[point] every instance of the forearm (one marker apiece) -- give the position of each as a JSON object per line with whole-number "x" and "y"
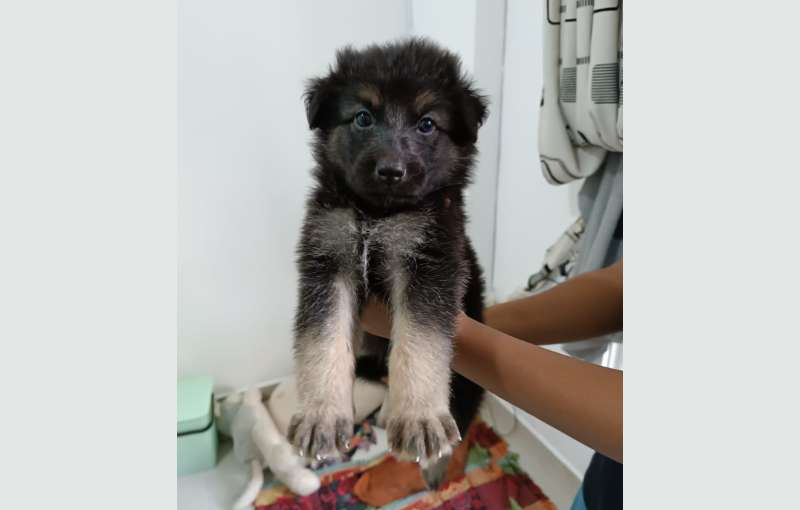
{"x": 583, "y": 307}
{"x": 578, "y": 398}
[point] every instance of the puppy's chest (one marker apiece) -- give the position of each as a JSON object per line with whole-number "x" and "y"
{"x": 373, "y": 249}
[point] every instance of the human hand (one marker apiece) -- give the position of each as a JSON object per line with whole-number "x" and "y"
{"x": 376, "y": 319}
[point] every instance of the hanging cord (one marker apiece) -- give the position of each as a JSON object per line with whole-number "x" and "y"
{"x": 493, "y": 419}
{"x": 558, "y": 258}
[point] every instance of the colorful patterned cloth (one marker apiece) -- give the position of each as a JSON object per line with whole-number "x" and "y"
{"x": 492, "y": 479}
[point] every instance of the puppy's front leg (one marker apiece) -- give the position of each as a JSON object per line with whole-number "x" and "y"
{"x": 419, "y": 423}
{"x": 325, "y": 362}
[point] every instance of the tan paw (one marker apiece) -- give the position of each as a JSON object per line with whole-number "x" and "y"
{"x": 320, "y": 434}
{"x": 422, "y": 438}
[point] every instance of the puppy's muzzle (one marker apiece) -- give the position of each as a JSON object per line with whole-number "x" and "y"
{"x": 390, "y": 171}
{"x": 390, "y": 174}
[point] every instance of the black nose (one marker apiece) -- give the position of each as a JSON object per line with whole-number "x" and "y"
{"x": 391, "y": 174}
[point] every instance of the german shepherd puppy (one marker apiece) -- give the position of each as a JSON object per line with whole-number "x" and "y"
{"x": 395, "y": 128}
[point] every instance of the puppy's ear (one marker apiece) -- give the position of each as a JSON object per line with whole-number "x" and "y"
{"x": 470, "y": 113}
{"x": 320, "y": 99}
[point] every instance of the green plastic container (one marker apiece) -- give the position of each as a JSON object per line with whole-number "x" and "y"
{"x": 197, "y": 433}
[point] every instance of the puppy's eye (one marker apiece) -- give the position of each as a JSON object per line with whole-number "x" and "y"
{"x": 426, "y": 125}
{"x": 363, "y": 119}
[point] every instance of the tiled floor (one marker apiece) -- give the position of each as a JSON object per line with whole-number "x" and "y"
{"x": 218, "y": 488}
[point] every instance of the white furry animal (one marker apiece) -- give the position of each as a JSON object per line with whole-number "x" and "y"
{"x": 257, "y": 440}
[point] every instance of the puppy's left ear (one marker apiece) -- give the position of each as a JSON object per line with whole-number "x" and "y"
{"x": 320, "y": 98}
{"x": 471, "y": 112}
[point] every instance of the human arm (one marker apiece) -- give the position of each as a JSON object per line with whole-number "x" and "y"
{"x": 585, "y": 306}
{"x": 580, "y": 399}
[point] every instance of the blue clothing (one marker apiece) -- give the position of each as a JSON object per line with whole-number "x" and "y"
{"x": 579, "y": 503}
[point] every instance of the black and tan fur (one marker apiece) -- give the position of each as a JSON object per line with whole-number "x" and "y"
{"x": 386, "y": 219}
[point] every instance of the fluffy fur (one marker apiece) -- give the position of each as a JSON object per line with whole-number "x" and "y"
{"x": 395, "y": 128}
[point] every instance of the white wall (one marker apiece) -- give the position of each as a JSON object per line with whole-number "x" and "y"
{"x": 244, "y": 170}
{"x": 451, "y": 23}
{"x": 531, "y": 213}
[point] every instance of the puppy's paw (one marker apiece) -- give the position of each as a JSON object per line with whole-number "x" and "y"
{"x": 422, "y": 438}
{"x": 319, "y": 434}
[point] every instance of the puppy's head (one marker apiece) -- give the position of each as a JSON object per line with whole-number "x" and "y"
{"x": 395, "y": 122}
